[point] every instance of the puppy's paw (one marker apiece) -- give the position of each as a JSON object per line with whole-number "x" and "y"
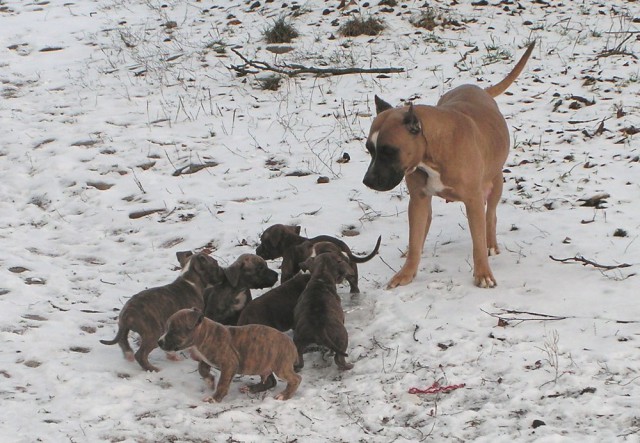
{"x": 210, "y": 399}
{"x": 494, "y": 250}
{"x": 281, "y": 396}
{"x": 172, "y": 356}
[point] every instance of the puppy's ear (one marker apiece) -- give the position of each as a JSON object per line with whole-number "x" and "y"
{"x": 381, "y": 105}
{"x": 307, "y": 265}
{"x": 412, "y": 122}
{"x": 297, "y": 229}
{"x": 233, "y": 274}
{"x": 183, "y": 257}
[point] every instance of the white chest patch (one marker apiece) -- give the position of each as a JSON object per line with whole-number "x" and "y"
{"x": 434, "y": 184}
{"x": 374, "y": 139}
{"x": 201, "y": 356}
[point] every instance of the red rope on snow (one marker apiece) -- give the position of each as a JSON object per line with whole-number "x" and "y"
{"x": 435, "y": 388}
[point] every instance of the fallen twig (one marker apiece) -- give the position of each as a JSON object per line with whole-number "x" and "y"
{"x": 463, "y": 59}
{"x": 193, "y": 168}
{"x": 580, "y": 259}
{"x": 291, "y": 70}
{"x": 535, "y": 316}
{"x": 505, "y": 314}
{"x": 618, "y": 50}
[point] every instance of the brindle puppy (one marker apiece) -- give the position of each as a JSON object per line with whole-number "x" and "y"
{"x": 249, "y": 350}
{"x": 225, "y": 300}
{"x": 318, "y": 316}
{"x": 147, "y": 311}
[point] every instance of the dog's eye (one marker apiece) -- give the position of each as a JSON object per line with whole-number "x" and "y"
{"x": 386, "y": 151}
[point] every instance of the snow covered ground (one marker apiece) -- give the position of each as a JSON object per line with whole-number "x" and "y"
{"x": 102, "y": 101}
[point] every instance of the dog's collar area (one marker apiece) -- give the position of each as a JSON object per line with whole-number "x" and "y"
{"x": 420, "y": 167}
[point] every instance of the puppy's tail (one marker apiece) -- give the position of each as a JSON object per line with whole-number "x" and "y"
{"x": 366, "y": 258}
{"x": 117, "y": 338}
{"x": 499, "y": 88}
{"x": 329, "y": 343}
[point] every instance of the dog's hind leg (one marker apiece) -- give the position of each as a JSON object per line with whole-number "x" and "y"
{"x": 340, "y": 339}
{"x": 142, "y": 354}
{"x": 293, "y": 381}
{"x": 476, "y": 216}
{"x": 492, "y": 219}
{"x": 126, "y": 347}
{"x": 353, "y": 280}
{"x": 300, "y": 346}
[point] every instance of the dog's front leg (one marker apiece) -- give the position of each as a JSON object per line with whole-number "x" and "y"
{"x": 205, "y": 372}
{"x": 419, "y": 223}
{"x": 476, "y": 216}
{"x": 226, "y": 375}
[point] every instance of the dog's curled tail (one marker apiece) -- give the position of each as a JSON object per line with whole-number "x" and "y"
{"x": 117, "y": 338}
{"x": 499, "y": 88}
{"x": 366, "y": 258}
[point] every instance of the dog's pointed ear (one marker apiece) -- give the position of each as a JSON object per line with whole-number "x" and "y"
{"x": 233, "y": 274}
{"x": 412, "y": 122}
{"x": 381, "y": 105}
{"x": 183, "y": 257}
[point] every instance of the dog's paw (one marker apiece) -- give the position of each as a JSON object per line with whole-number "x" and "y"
{"x": 210, "y": 399}
{"x": 281, "y": 396}
{"x": 486, "y": 281}
{"x": 401, "y": 279}
{"x": 494, "y": 251}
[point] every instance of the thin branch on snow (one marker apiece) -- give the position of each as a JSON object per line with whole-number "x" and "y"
{"x": 535, "y": 316}
{"x": 580, "y": 259}
{"x": 291, "y": 70}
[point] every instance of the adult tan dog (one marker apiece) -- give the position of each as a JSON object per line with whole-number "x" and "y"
{"x": 455, "y": 150}
{"x": 249, "y": 350}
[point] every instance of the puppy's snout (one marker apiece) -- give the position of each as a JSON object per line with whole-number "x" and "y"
{"x": 161, "y": 342}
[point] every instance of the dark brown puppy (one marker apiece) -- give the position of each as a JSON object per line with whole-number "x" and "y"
{"x": 225, "y": 300}
{"x": 286, "y": 242}
{"x": 147, "y": 311}
{"x": 275, "y": 307}
{"x": 248, "y": 350}
{"x": 318, "y": 316}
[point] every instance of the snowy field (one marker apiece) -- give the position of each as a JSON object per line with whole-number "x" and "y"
{"x": 128, "y": 134}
